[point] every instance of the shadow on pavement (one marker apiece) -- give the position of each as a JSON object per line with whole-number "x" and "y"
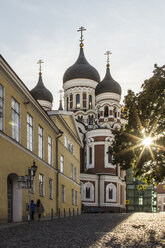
{"x": 79, "y": 231}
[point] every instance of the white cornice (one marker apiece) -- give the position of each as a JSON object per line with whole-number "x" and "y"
{"x": 108, "y": 96}
{"x": 88, "y": 177}
{"x": 98, "y": 132}
{"x": 79, "y": 82}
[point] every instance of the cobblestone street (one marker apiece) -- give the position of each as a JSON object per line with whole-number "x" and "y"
{"x": 88, "y": 230}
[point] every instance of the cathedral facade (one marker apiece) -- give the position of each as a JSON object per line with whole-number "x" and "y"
{"x": 96, "y": 107}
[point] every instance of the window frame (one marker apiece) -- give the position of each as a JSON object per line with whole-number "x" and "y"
{"x": 40, "y": 142}
{"x": 62, "y": 193}
{"x": 50, "y": 188}
{"x": 72, "y": 192}
{"x": 77, "y": 101}
{"x": 50, "y": 150}
{"x": 15, "y": 112}
{"x": 41, "y": 184}
{"x": 29, "y": 126}
{"x": 62, "y": 163}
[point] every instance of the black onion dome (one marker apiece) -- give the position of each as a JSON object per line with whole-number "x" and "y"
{"x": 81, "y": 69}
{"x": 40, "y": 92}
{"x": 108, "y": 84}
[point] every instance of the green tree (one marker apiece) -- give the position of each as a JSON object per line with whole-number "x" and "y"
{"x": 145, "y": 113}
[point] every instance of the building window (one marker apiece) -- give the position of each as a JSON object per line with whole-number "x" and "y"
{"x": 72, "y": 171}
{"x": 29, "y": 132}
{"x": 109, "y": 152}
{"x": 69, "y": 146}
{"x": 50, "y": 188}
{"x": 111, "y": 192}
{"x": 41, "y": 184}
{"x": 115, "y": 112}
{"x": 72, "y": 149}
{"x": 67, "y": 103}
{"x": 84, "y": 99}
{"x": 141, "y": 200}
{"x": 62, "y": 164}
{"x": 62, "y": 193}
{"x": 90, "y": 119}
{"x": 106, "y": 111}
{"x": 1, "y": 106}
{"x": 90, "y": 101}
{"x": 80, "y": 118}
{"x": 72, "y": 196}
{"x": 15, "y": 106}
{"x": 75, "y": 174}
{"x": 88, "y": 195}
{"x": 76, "y": 198}
{"x": 88, "y": 191}
{"x": 65, "y": 141}
{"x": 40, "y": 142}
{"x": 90, "y": 155}
{"x": 77, "y": 100}
{"x": 50, "y": 150}
{"x": 71, "y": 101}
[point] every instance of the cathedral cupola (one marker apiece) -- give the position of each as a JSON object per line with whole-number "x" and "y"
{"x": 108, "y": 95}
{"x": 79, "y": 83}
{"x": 41, "y": 93}
{"x": 81, "y": 68}
{"x": 108, "y": 84}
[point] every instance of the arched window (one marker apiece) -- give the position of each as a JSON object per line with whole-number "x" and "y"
{"x": 109, "y": 154}
{"x": 90, "y": 119}
{"x": 71, "y": 101}
{"x": 106, "y": 111}
{"x": 90, "y": 155}
{"x": 88, "y": 189}
{"x": 90, "y": 101}
{"x": 67, "y": 103}
{"x": 88, "y": 193}
{"x": 80, "y": 118}
{"x": 115, "y": 112}
{"x": 111, "y": 192}
{"x": 77, "y": 100}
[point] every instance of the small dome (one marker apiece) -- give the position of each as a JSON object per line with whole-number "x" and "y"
{"x": 108, "y": 84}
{"x": 81, "y": 69}
{"x": 40, "y": 92}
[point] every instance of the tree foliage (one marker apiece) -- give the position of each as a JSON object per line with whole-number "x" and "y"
{"x": 145, "y": 113}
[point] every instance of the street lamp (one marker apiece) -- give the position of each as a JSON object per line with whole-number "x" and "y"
{"x": 31, "y": 174}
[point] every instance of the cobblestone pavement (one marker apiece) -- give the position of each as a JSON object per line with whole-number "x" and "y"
{"x": 88, "y": 231}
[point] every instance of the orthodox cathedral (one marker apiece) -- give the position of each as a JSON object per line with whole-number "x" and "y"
{"x": 96, "y": 107}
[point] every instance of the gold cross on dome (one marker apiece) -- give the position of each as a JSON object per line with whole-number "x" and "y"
{"x": 40, "y": 62}
{"x": 107, "y": 53}
{"x": 81, "y": 29}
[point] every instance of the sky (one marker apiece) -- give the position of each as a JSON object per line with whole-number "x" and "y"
{"x": 133, "y": 30}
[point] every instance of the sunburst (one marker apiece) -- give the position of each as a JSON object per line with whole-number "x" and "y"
{"x": 146, "y": 142}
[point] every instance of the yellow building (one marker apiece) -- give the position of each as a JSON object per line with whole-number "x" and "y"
{"x": 69, "y": 144}
{"x": 29, "y": 137}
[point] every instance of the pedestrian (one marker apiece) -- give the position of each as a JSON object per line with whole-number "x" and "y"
{"x": 39, "y": 208}
{"x": 32, "y": 209}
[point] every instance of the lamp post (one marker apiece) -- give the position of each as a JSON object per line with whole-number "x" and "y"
{"x": 31, "y": 174}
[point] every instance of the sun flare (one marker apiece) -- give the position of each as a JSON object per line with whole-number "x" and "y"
{"x": 147, "y": 141}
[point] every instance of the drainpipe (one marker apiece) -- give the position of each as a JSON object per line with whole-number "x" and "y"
{"x": 57, "y": 181}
